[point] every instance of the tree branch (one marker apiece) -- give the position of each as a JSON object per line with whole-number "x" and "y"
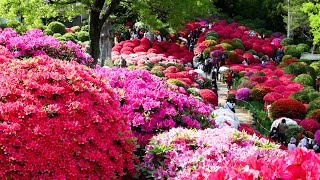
{"x": 62, "y": 2}
{"x": 109, "y": 10}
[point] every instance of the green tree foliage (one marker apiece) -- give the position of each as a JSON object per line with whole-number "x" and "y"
{"x": 172, "y": 13}
{"x": 155, "y": 13}
{"x": 313, "y": 11}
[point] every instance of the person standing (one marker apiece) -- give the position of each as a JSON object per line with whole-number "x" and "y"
{"x": 274, "y": 134}
{"x": 282, "y": 127}
{"x": 304, "y": 141}
{"x": 292, "y": 144}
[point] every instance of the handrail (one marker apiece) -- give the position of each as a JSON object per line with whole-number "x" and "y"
{"x": 254, "y": 115}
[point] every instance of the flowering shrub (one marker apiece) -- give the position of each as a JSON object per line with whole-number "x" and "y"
{"x": 287, "y": 107}
{"x": 5, "y": 55}
{"x": 34, "y": 43}
{"x": 179, "y": 152}
{"x": 310, "y": 125}
{"x": 315, "y": 104}
{"x": 258, "y": 79}
{"x": 154, "y": 106}
{"x": 317, "y": 136}
{"x": 272, "y": 97}
{"x": 294, "y": 165}
{"x": 59, "y": 121}
{"x": 243, "y": 94}
{"x": 258, "y": 92}
{"x": 209, "y": 96}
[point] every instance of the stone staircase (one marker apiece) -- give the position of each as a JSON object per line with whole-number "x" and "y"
{"x": 244, "y": 115}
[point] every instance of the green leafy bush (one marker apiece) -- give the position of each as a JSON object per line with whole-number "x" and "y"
{"x": 313, "y": 95}
{"x": 157, "y": 71}
{"x": 211, "y": 33}
{"x": 56, "y": 35}
{"x": 227, "y": 46}
{"x": 286, "y": 57}
{"x": 293, "y": 51}
{"x": 56, "y": 27}
{"x": 237, "y": 40}
{"x": 253, "y": 52}
{"x": 287, "y": 41}
{"x": 295, "y": 69}
{"x": 304, "y": 79}
{"x": 48, "y": 32}
{"x": 193, "y": 91}
{"x": 303, "y": 47}
{"x": 307, "y": 61}
{"x": 237, "y": 45}
{"x": 313, "y": 105}
{"x": 292, "y": 131}
{"x": 85, "y": 28}
{"x": 69, "y": 37}
{"x": 258, "y": 92}
{"x": 259, "y": 73}
{"x": 316, "y": 67}
{"x": 302, "y": 95}
{"x": 314, "y": 114}
{"x": 82, "y": 36}
{"x": 76, "y": 28}
{"x": 176, "y": 82}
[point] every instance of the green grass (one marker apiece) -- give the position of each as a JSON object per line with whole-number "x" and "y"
{"x": 262, "y": 121}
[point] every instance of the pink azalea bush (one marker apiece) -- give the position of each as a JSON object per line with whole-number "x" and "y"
{"x": 60, "y": 121}
{"x": 182, "y": 153}
{"x": 154, "y": 106}
{"x": 297, "y": 164}
{"x": 34, "y": 42}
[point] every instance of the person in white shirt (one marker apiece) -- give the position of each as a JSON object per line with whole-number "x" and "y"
{"x": 304, "y": 141}
{"x": 292, "y": 144}
{"x": 230, "y": 104}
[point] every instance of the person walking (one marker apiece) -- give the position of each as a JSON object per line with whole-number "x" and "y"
{"x": 274, "y": 134}
{"x": 281, "y": 128}
{"x": 230, "y": 104}
{"x": 229, "y": 79}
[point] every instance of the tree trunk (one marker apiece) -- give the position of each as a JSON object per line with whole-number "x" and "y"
{"x": 95, "y": 31}
{"x": 106, "y": 43}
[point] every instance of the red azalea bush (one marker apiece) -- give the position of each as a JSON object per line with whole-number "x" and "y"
{"x": 310, "y": 125}
{"x": 209, "y": 96}
{"x": 258, "y": 79}
{"x": 288, "y": 107}
{"x": 272, "y": 97}
{"x": 59, "y": 121}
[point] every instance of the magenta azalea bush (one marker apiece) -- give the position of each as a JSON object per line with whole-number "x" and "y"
{"x": 34, "y": 42}
{"x": 59, "y": 121}
{"x": 181, "y": 153}
{"x": 243, "y": 94}
{"x": 154, "y": 106}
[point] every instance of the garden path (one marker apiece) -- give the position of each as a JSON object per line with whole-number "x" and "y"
{"x": 243, "y": 114}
